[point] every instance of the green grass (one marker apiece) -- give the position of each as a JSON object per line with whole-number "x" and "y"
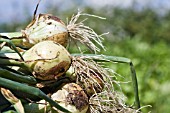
{"x": 152, "y": 67}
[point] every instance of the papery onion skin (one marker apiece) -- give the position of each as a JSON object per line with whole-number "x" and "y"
{"x": 72, "y": 97}
{"x": 92, "y": 84}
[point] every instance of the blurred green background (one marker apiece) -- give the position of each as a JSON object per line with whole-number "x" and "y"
{"x": 142, "y": 36}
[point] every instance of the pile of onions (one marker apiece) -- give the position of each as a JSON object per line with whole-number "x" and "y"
{"x": 48, "y": 60}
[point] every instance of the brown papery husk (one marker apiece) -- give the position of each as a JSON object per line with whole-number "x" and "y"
{"x": 72, "y": 97}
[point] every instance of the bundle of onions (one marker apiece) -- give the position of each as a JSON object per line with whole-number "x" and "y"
{"x": 48, "y": 60}
{"x": 71, "y": 96}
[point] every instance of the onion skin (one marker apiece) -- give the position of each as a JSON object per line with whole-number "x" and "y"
{"x": 45, "y": 27}
{"x": 72, "y": 97}
{"x": 92, "y": 84}
{"x": 48, "y": 60}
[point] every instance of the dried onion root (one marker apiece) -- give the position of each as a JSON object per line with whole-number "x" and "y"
{"x": 84, "y": 34}
{"x": 89, "y": 77}
{"x": 99, "y": 86}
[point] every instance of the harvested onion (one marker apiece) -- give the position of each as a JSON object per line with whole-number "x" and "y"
{"x": 49, "y": 27}
{"x": 89, "y": 75}
{"x": 48, "y": 60}
{"x": 71, "y": 97}
{"x": 45, "y": 27}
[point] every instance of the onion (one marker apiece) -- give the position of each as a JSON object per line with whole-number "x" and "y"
{"x": 48, "y": 60}
{"x": 49, "y": 27}
{"x": 93, "y": 83}
{"x": 71, "y": 97}
{"x": 89, "y": 79}
{"x": 45, "y": 27}
{"x": 90, "y": 76}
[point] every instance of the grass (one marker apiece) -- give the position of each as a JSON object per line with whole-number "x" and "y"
{"x": 152, "y": 67}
